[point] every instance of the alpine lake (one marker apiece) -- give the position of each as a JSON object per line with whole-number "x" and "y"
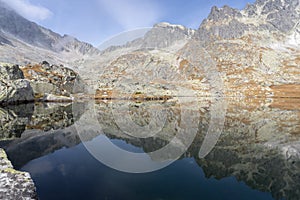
{"x": 247, "y": 148}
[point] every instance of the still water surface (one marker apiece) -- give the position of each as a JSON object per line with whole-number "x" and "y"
{"x": 255, "y": 157}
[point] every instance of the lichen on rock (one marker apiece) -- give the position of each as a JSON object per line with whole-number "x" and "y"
{"x": 13, "y": 87}
{"x": 52, "y": 79}
{"x": 14, "y": 184}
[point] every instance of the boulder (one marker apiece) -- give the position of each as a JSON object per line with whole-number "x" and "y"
{"x": 14, "y": 184}
{"x": 13, "y": 88}
{"x": 11, "y": 72}
{"x": 52, "y": 79}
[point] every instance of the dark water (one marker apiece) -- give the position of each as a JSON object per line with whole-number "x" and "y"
{"x": 74, "y": 174}
{"x": 256, "y": 155}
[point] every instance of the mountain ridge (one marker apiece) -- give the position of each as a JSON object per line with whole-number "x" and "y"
{"x": 24, "y": 37}
{"x": 279, "y": 17}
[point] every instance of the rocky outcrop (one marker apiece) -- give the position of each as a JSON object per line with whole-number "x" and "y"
{"x": 136, "y": 72}
{"x": 52, "y": 82}
{"x": 263, "y": 17}
{"x": 161, "y": 36}
{"x": 42, "y": 82}
{"x": 13, "y": 87}
{"x": 166, "y": 35}
{"x": 14, "y": 184}
{"x": 256, "y": 50}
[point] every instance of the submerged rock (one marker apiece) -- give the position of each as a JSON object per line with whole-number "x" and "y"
{"x": 14, "y": 184}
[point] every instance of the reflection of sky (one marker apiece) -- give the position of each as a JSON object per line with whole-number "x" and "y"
{"x": 74, "y": 174}
{"x": 95, "y": 21}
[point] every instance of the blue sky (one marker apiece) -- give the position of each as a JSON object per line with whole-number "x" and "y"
{"x": 94, "y": 21}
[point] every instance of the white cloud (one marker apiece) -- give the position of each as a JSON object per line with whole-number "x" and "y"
{"x": 132, "y": 13}
{"x": 28, "y": 10}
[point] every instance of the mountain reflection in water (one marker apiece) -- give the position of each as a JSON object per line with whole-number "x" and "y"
{"x": 256, "y": 156}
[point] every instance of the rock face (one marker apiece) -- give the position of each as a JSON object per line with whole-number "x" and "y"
{"x": 164, "y": 35}
{"x": 13, "y": 87}
{"x": 160, "y": 36}
{"x": 272, "y": 17}
{"x": 14, "y": 184}
{"x": 256, "y": 49}
{"x": 52, "y": 80}
{"x": 43, "y": 82}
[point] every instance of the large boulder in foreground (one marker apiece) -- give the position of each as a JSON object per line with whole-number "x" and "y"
{"x": 14, "y": 184}
{"x": 13, "y": 87}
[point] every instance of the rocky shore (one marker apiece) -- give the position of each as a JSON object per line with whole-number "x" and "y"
{"x": 39, "y": 82}
{"x": 19, "y": 86}
{"x": 14, "y": 184}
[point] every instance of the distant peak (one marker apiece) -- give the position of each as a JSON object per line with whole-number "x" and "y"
{"x": 273, "y": 16}
{"x": 66, "y": 36}
{"x": 168, "y": 25}
{"x": 223, "y": 12}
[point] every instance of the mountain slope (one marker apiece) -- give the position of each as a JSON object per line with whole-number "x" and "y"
{"x": 33, "y": 43}
{"x": 257, "y": 49}
{"x": 250, "y": 52}
{"x": 279, "y": 17}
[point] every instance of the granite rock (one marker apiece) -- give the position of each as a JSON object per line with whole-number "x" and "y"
{"x": 13, "y": 88}
{"x": 14, "y": 184}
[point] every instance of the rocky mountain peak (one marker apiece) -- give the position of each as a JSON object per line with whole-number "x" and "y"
{"x": 223, "y": 13}
{"x": 162, "y": 35}
{"x": 272, "y": 16}
{"x": 169, "y": 26}
{"x": 281, "y": 14}
{"x": 165, "y": 34}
